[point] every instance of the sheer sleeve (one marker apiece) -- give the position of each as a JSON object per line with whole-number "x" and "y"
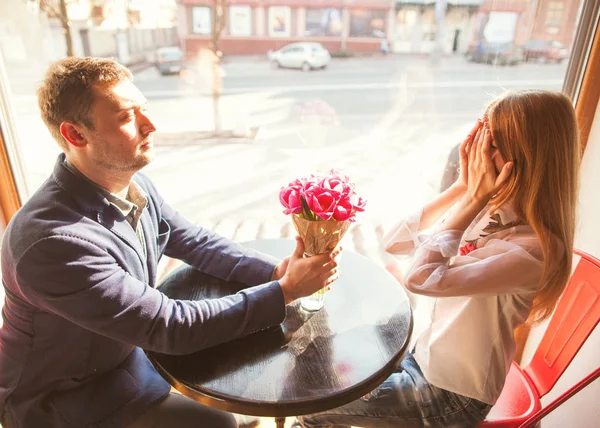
{"x": 403, "y": 238}
{"x": 512, "y": 264}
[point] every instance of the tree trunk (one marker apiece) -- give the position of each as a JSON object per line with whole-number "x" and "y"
{"x": 218, "y": 24}
{"x": 217, "y": 95}
{"x": 66, "y": 24}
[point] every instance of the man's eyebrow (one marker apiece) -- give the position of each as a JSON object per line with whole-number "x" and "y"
{"x": 131, "y": 105}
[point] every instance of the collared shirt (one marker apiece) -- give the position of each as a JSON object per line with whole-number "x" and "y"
{"x": 131, "y": 207}
{"x": 475, "y": 300}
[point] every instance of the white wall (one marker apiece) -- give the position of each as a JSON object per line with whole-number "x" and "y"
{"x": 583, "y": 410}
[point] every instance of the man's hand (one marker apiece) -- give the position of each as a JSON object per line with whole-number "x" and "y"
{"x": 304, "y": 276}
{"x": 280, "y": 269}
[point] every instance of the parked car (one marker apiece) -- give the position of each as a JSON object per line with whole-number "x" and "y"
{"x": 306, "y": 56}
{"x": 495, "y": 53}
{"x": 169, "y": 60}
{"x": 545, "y": 51}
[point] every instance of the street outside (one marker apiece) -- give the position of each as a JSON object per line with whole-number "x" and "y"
{"x": 387, "y": 122}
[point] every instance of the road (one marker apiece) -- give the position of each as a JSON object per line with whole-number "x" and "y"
{"x": 388, "y": 122}
{"x": 363, "y": 89}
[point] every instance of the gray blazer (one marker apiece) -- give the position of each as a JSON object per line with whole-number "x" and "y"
{"x": 81, "y": 304}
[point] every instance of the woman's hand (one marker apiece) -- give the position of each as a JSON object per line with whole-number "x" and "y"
{"x": 483, "y": 181}
{"x": 462, "y": 182}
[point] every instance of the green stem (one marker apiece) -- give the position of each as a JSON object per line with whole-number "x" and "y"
{"x": 306, "y": 210}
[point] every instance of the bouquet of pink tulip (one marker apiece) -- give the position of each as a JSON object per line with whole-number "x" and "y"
{"x": 322, "y": 208}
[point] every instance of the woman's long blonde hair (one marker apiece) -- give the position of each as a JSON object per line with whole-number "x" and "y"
{"x": 537, "y": 130}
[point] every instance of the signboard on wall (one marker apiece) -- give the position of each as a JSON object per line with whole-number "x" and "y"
{"x": 280, "y": 21}
{"x": 201, "y": 20}
{"x": 240, "y": 20}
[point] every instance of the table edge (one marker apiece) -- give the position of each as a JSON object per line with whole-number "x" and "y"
{"x": 285, "y": 408}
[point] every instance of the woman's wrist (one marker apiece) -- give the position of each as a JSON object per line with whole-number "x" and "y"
{"x": 458, "y": 189}
{"x": 465, "y": 213}
{"x": 472, "y": 205}
{"x": 476, "y": 200}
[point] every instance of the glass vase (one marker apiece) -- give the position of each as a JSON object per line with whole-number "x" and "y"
{"x": 314, "y": 302}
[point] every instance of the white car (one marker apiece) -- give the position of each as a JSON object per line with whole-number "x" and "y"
{"x": 306, "y": 56}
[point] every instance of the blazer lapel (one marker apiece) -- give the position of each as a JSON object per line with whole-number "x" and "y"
{"x": 116, "y": 223}
{"x": 151, "y": 245}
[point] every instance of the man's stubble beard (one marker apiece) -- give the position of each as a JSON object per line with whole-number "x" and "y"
{"x": 108, "y": 162}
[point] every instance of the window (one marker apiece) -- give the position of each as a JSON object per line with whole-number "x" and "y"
{"x": 323, "y": 22}
{"x": 279, "y": 21}
{"x": 201, "y": 20}
{"x": 554, "y": 14}
{"x": 367, "y": 23}
{"x": 240, "y": 20}
{"x": 387, "y": 121}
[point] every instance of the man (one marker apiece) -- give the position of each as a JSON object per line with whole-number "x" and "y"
{"x": 79, "y": 265}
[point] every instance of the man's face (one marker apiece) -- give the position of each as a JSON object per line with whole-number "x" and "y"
{"x": 121, "y": 139}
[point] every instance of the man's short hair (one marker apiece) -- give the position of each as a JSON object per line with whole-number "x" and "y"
{"x": 66, "y": 92}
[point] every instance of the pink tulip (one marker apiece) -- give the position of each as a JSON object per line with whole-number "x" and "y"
{"x": 321, "y": 202}
{"x": 336, "y": 182}
{"x": 343, "y": 211}
{"x": 290, "y": 199}
{"x": 358, "y": 203}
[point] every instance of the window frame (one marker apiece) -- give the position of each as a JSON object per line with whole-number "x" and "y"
{"x": 13, "y": 184}
{"x": 584, "y": 65}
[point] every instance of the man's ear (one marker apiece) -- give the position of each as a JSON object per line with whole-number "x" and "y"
{"x": 72, "y": 134}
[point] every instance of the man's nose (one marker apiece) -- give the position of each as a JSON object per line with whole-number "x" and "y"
{"x": 146, "y": 124}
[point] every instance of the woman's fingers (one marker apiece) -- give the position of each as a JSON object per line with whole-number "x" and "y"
{"x": 464, "y": 160}
{"x": 486, "y": 151}
{"x": 503, "y": 176}
{"x": 473, "y": 145}
{"x": 468, "y": 142}
{"x": 475, "y": 154}
{"x": 464, "y": 156}
{"x": 471, "y": 136}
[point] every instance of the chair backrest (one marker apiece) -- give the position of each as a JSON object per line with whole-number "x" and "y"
{"x": 575, "y": 317}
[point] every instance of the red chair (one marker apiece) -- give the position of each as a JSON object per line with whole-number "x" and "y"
{"x": 575, "y": 317}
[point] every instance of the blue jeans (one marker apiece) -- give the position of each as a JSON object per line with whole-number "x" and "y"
{"x": 405, "y": 399}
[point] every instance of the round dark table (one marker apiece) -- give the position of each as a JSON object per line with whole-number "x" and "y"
{"x": 312, "y": 361}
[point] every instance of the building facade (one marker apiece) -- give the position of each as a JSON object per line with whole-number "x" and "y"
{"x": 519, "y": 21}
{"x": 556, "y": 20}
{"x": 409, "y": 26}
{"x": 256, "y": 26}
{"x": 421, "y": 25}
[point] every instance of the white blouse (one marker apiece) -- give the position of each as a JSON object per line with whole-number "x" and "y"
{"x": 478, "y": 298}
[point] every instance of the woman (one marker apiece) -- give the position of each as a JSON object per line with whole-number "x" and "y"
{"x": 499, "y": 254}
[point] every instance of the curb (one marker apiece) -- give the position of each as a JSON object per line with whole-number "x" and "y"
{"x": 163, "y": 139}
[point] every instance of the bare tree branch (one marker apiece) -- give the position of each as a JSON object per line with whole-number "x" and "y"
{"x": 49, "y": 5}
{"x": 58, "y": 8}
